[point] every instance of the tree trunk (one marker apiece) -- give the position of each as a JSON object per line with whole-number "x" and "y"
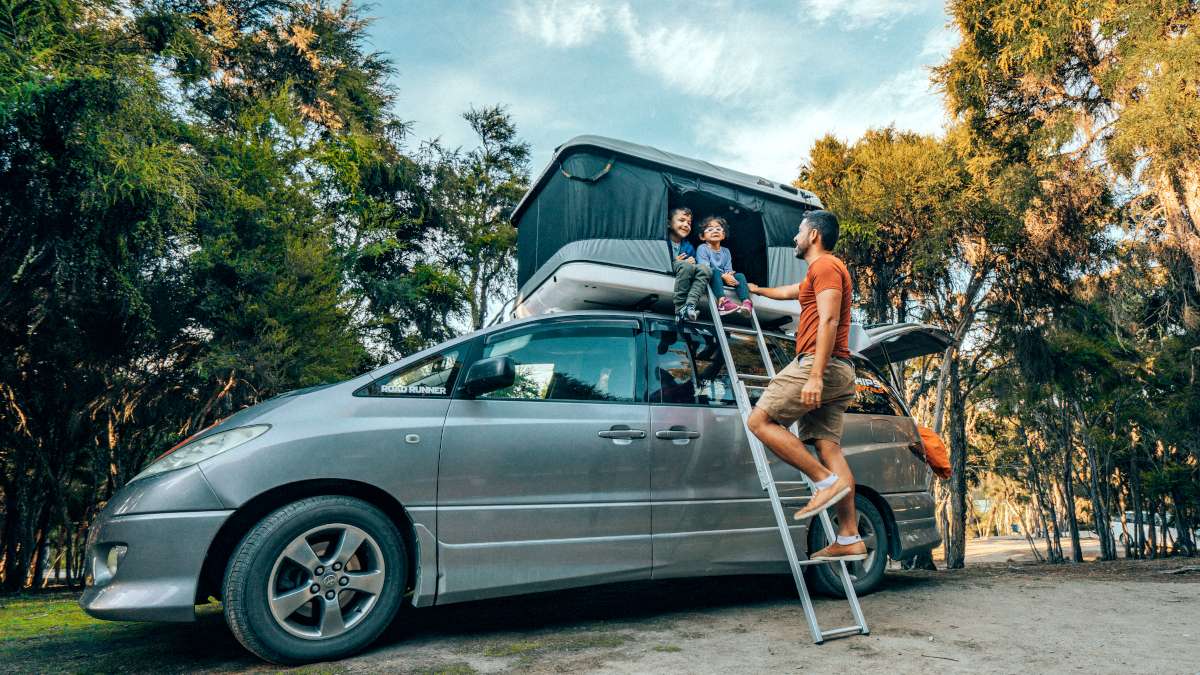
{"x": 1179, "y": 195}
{"x": 1108, "y": 550}
{"x": 1069, "y": 490}
{"x": 1135, "y": 499}
{"x": 956, "y": 551}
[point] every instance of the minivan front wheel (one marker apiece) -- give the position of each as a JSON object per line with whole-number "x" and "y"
{"x": 866, "y": 575}
{"x": 318, "y": 579}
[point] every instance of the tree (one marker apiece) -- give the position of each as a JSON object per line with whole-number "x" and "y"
{"x": 96, "y": 194}
{"x": 1116, "y": 79}
{"x": 474, "y": 193}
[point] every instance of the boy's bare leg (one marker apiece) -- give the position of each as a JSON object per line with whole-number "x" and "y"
{"x": 833, "y": 457}
{"x": 785, "y": 445}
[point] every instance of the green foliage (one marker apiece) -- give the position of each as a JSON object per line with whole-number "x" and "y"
{"x": 172, "y": 259}
{"x": 475, "y": 192}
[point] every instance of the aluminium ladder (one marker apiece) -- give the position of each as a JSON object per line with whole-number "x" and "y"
{"x": 771, "y": 486}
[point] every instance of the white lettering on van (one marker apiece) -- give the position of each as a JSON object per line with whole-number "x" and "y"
{"x": 412, "y": 389}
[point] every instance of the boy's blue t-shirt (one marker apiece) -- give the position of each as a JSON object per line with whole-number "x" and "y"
{"x": 718, "y": 260}
{"x": 684, "y": 247}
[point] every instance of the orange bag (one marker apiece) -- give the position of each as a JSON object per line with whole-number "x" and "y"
{"x": 936, "y": 454}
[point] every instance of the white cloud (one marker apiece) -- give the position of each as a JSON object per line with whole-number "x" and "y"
{"x": 566, "y": 23}
{"x": 858, "y": 13}
{"x": 720, "y": 59}
{"x": 774, "y": 145}
{"x": 719, "y": 64}
{"x": 938, "y": 44}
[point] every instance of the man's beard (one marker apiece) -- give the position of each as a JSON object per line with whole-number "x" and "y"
{"x": 800, "y": 251}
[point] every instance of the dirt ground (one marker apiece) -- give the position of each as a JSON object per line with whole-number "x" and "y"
{"x": 1119, "y": 617}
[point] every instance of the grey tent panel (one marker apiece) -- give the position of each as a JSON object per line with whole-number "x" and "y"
{"x": 599, "y": 190}
{"x": 679, "y": 163}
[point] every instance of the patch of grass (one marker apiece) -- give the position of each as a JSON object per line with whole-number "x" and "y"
{"x": 50, "y": 633}
{"x": 512, "y": 648}
{"x": 34, "y": 616}
{"x": 458, "y": 668}
{"x": 602, "y": 640}
{"x": 668, "y": 648}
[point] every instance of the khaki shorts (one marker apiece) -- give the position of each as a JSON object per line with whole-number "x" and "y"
{"x": 781, "y": 400}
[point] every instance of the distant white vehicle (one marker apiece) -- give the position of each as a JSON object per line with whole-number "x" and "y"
{"x": 1124, "y": 532}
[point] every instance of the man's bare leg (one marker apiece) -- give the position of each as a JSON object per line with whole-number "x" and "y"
{"x": 785, "y": 445}
{"x": 833, "y": 457}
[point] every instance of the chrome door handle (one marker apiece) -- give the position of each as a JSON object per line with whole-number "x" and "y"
{"x": 673, "y": 434}
{"x": 618, "y": 432}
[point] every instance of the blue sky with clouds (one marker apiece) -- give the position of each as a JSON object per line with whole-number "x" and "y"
{"x": 748, "y": 85}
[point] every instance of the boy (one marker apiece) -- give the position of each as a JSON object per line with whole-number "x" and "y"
{"x": 690, "y": 278}
{"x": 712, "y": 233}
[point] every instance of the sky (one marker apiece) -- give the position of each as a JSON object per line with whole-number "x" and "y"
{"x": 747, "y": 85}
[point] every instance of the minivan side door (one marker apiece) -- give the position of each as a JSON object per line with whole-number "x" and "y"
{"x": 710, "y": 514}
{"x": 546, "y": 484}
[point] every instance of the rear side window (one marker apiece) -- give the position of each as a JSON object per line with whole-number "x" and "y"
{"x": 572, "y": 362}
{"x": 871, "y": 395}
{"x": 431, "y": 377}
{"x": 686, "y": 366}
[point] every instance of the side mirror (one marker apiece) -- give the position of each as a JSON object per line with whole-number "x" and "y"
{"x": 488, "y": 375}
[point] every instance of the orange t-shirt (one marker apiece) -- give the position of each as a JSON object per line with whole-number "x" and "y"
{"x": 824, "y": 273}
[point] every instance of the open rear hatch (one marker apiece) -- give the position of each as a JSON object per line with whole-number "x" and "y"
{"x": 894, "y": 343}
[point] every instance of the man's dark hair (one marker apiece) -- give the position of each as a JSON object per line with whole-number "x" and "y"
{"x": 825, "y": 223}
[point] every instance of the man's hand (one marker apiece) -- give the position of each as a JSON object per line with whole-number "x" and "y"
{"x": 729, "y": 279}
{"x": 811, "y": 393}
{"x": 753, "y": 287}
{"x": 692, "y": 260}
{"x": 681, "y": 257}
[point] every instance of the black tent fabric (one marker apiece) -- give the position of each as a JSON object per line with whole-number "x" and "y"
{"x": 605, "y": 200}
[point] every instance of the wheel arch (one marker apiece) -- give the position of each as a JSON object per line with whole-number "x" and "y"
{"x": 885, "y": 512}
{"x": 247, "y": 515}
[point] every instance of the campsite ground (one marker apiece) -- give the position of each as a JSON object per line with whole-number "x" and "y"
{"x": 1124, "y": 616}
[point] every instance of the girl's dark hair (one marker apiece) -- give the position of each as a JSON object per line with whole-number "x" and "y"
{"x": 714, "y": 219}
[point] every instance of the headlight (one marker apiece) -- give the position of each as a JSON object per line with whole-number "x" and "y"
{"x": 198, "y": 451}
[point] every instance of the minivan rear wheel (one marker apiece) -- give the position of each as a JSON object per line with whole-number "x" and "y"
{"x": 865, "y": 574}
{"x": 315, "y": 580}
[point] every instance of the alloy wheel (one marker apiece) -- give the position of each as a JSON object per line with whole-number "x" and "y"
{"x": 326, "y": 581}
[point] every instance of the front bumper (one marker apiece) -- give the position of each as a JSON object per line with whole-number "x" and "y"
{"x": 157, "y": 578}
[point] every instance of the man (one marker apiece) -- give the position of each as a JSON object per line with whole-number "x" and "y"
{"x": 816, "y": 388}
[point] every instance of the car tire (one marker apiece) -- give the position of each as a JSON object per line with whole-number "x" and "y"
{"x": 867, "y": 574}
{"x": 316, "y": 580}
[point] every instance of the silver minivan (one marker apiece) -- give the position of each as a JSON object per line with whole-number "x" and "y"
{"x": 556, "y": 451}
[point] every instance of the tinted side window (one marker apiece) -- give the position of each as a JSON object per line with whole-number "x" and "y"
{"x": 783, "y": 350}
{"x": 686, "y": 366}
{"x": 871, "y": 396}
{"x": 572, "y": 362}
{"x": 432, "y": 377}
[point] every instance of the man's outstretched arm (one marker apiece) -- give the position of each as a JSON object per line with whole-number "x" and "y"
{"x": 778, "y": 292}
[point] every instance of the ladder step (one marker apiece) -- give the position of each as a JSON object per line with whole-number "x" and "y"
{"x": 792, "y": 482}
{"x": 756, "y": 378}
{"x": 839, "y": 632}
{"x": 741, "y": 331}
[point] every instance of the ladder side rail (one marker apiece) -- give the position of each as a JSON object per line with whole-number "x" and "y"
{"x": 826, "y": 522}
{"x": 742, "y": 399}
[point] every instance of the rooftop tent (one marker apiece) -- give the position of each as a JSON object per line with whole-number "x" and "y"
{"x": 606, "y": 201}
